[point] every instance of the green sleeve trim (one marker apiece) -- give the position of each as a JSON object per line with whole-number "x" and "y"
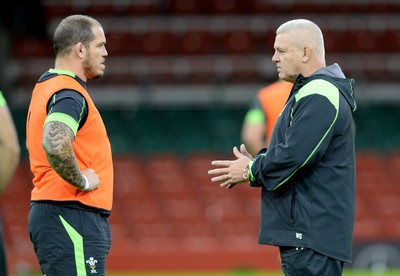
{"x": 63, "y": 118}
{"x": 82, "y": 110}
{"x": 62, "y": 72}
{"x": 77, "y": 240}
{"x": 53, "y": 99}
{"x": 332, "y": 93}
{"x": 3, "y": 101}
{"x": 251, "y": 176}
{"x": 254, "y": 116}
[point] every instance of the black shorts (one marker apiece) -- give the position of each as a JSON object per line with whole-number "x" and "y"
{"x": 69, "y": 241}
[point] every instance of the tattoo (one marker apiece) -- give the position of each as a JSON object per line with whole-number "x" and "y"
{"x": 57, "y": 143}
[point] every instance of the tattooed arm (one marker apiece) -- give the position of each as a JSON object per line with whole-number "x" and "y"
{"x": 57, "y": 143}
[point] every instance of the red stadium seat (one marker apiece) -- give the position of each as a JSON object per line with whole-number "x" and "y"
{"x": 186, "y": 7}
{"x": 156, "y": 43}
{"x": 238, "y": 42}
{"x": 197, "y": 42}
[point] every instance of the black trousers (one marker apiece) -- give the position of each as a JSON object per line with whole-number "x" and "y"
{"x": 299, "y": 261}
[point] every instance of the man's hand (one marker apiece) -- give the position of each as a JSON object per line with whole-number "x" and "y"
{"x": 92, "y": 178}
{"x": 231, "y": 171}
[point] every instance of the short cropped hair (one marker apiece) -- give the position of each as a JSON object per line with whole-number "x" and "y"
{"x": 305, "y": 33}
{"x": 72, "y": 30}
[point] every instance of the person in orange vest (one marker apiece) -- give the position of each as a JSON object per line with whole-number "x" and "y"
{"x": 10, "y": 154}
{"x": 70, "y": 156}
{"x": 259, "y": 120}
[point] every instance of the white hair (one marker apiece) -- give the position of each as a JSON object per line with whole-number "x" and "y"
{"x": 305, "y": 33}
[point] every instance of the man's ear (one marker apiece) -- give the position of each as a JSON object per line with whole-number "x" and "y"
{"x": 306, "y": 54}
{"x": 80, "y": 49}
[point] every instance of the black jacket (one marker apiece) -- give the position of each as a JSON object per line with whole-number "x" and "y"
{"x": 307, "y": 174}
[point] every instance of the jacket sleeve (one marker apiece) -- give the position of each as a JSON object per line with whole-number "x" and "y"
{"x": 307, "y": 137}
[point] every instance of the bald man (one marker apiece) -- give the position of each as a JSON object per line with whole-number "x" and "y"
{"x": 307, "y": 174}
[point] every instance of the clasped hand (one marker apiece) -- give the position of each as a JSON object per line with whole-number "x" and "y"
{"x": 231, "y": 171}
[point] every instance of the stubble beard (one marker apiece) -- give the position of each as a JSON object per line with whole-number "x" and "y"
{"x": 91, "y": 73}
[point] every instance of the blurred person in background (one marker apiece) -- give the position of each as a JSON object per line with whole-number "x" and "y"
{"x": 260, "y": 119}
{"x": 307, "y": 173}
{"x": 10, "y": 155}
{"x": 70, "y": 156}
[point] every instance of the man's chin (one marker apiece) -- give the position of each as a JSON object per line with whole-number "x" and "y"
{"x": 287, "y": 78}
{"x": 98, "y": 76}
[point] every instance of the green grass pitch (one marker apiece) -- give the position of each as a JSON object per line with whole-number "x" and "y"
{"x": 241, "y": 273}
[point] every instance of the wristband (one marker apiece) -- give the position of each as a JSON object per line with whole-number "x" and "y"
{"x": 86, "y": 183}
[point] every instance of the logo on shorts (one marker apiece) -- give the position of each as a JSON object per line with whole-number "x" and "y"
{"x": 92, "y": 264}
{"x": 299, "y": 236}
